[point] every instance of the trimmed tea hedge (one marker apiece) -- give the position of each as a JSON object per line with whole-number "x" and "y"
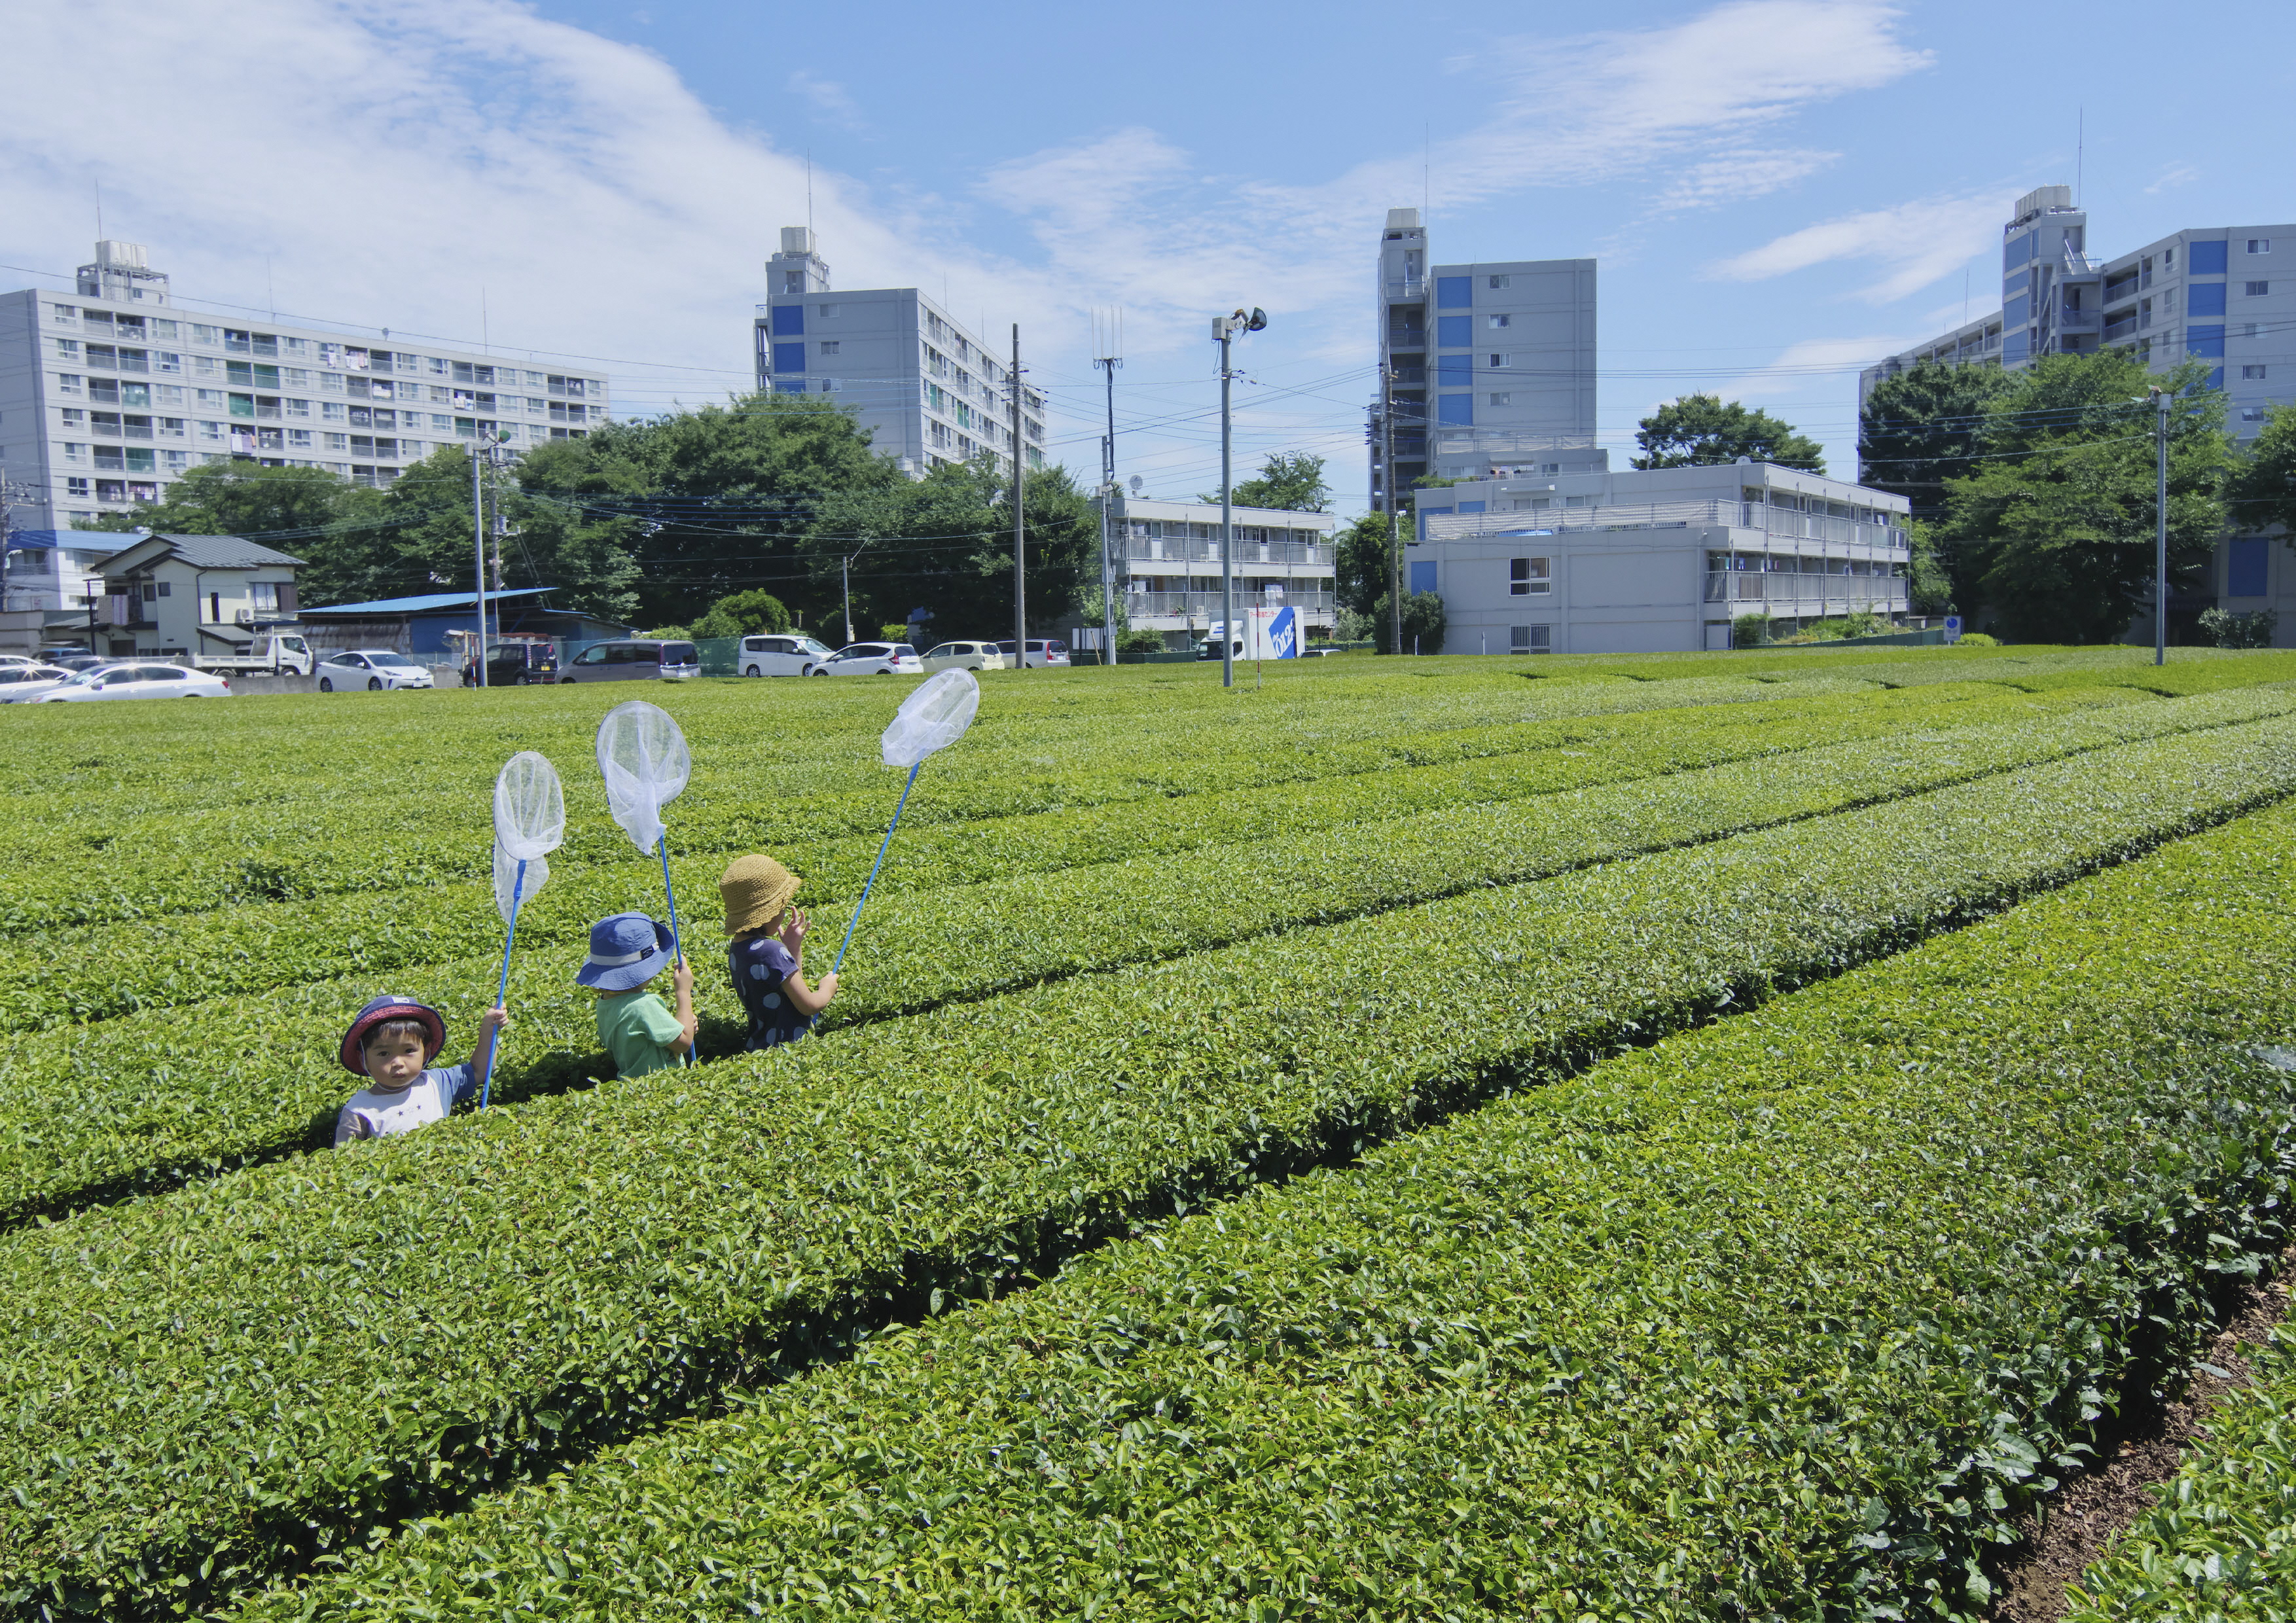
{"x": 213, "y": 1384}
{"x": 96, "y": 1111}
{"x": 1785, "y": 1317}
{"x": 2220, "y": 1547}
{"x": 49, "y": 977}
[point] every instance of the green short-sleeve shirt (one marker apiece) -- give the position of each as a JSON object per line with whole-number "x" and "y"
{"x": 637, "y": 1029}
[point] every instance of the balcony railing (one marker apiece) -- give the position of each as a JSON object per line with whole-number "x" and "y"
{"x": 1809, "y": 594}
{"x": 1204, "y": 607}
{"x": 2077, "y": 321}
{"x": 1405, "y": 287}
{"x": 2122, "y": 328}
{"x": 1785, "y": 522}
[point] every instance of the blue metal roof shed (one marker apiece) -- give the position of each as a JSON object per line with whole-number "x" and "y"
{"x": 419, "y": 625}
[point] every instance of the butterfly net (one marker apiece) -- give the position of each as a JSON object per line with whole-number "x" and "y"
{"x": 932, "y": 718}
{"x": 530, "y": 808}
{"x": 510, "y": 892}
{"x": 643, "y": 756}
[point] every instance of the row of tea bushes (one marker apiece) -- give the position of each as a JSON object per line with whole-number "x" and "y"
{"x": 49, "y": 977}
{"x": 211, "y": 1386}
{"x": 127, "y": 1105}
{"x": 1789, "y": 1317}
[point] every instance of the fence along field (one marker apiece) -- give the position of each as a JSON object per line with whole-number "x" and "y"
{"x": 1237, "y": 1088}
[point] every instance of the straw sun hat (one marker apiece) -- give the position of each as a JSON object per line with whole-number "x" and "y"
{"x": 756, "y": 889}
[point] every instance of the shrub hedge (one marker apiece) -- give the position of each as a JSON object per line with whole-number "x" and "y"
{"x": 2220, "y": 1544}
{"x": 96, "y": 1112}
{"x": 214, "y": 1384}
{"x": 1784, "y": 1317}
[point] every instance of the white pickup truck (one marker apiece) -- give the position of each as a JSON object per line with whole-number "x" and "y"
{"x": 270, "y": 653}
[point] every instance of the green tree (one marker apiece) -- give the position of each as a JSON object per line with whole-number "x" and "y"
{"x": 751, "y": 613}
{"x": 281, "y": 507}
{"x": 1286, "y": 480}
{"x": 2262, "y": 490}
{"x": 944, "y": 544}
{"x": 707, "y": 502}
{"x": 1360, "y": 555}
{"x": 2052, "y": 534}
{"x": 1423, "y": 623}
{"x": 1931, "y": 589}
{"x": 1924, "y": 427}
{"x": 1699, "y": 429}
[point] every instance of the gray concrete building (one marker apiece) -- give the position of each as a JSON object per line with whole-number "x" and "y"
{"x": 1166, "y": 559}
{"x": 2207, "y": 291}
{"x": 110, "y": 393}
{"x": 1484, "y": 367}
{"x": 1659, "y": 560}
{"x": 928, "y": 389}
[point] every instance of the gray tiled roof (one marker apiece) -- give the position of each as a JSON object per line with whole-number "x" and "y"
{"x": 223, "y": 552}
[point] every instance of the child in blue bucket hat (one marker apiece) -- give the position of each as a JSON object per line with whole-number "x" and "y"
{"x": 626, "y": 952}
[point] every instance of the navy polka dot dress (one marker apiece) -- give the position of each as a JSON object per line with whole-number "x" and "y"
{"x": 758, "y": 965}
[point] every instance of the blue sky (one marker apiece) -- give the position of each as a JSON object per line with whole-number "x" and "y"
{"x": 1777, "y": 190}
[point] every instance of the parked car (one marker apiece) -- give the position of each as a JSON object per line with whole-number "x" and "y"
{"x": 374, "y": 668}
{"x": 874, "y": 659}
{"x": 964, "y": 656}
{"x": 1043, "y": 651}
{"x": 789, "y": 655}
{"x": 1210, "y": 647}
{"x": 19, "y": 659}
{"x": 638, "y": 660}
{"x": 137, "y": 681}
{"x": 80, "y": 662}
{"x": 20, "y": 682}
{"x": 515, "y": 664}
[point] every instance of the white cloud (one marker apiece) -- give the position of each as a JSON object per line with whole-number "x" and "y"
{"x": 829, "y": 98}
{"x": 398, "y": 166}
{"x": 2173, "y": 176}
{"x": 1918, "y": 243}
{"x": 1735, "y": 176}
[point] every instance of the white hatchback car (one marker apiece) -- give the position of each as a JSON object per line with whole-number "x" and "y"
{"x": 873, "y": 660}
{"x": 1044, "y": 653}
{"x": 789, "y": 655}
{"x": 18, "y": 683}
{"x": 137, "y": 681}
{"x": 374, "y": 668}
{"x": 964, "y": 656}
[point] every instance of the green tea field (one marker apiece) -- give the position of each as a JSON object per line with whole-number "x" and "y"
{"x": 1694, "y": 1137}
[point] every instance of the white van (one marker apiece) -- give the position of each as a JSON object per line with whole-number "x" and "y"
{"x": 785, "y": 655}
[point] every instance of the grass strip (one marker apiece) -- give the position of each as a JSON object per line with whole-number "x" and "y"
{"x": 213, "y": 1386}
{"x": 90, "y": 974}
{"x": 2220, "y": 1544}
{"x": 93, "y": 1113}
{"x": 1785, "y": 1317}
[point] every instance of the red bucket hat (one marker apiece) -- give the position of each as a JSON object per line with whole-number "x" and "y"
{"x": 387, "y": 1007}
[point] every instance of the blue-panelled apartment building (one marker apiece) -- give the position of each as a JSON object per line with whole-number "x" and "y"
{"x": 929, "y": 389}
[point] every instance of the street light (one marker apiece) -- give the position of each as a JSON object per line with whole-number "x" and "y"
{"x": 845, "y": 580}
{"x": 1224, "y": 331}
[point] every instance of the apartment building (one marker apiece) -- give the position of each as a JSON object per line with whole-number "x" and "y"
{"x": 1655, "y": 560}
{"x": 1165, "y": 559}
{"x": 928, "y": 389}
{"x": 2207, "y": 291}
{"x": 110, "y": 393}
{"x": 1485, "y": 369}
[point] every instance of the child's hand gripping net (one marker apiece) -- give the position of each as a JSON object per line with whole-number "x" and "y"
{"x": 643, "y": 756}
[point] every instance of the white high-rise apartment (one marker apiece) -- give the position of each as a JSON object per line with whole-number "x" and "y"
{"x": 2207, "y": 291}
{"x": 1488, "y": 371}
{"x": 927, "y": 389}
{"x": 110, "y": 393}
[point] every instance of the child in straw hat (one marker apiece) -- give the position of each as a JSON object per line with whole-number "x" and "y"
{"x": 767, "y": 954}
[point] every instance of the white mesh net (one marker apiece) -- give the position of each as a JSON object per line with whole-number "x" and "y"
{"x": 507, "y": 882}
{"x": 932, "y": 718}
{"x": 643, "y": 759}
{"x": 529, "y": 806}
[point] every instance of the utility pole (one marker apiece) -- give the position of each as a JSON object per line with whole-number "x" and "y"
{"x": 1224, "y": 331}
{"x": 478, "y": 541}
{"x": 2160, "y": 526}
{"x": 1394, "y": 515}
{"x": 1019, "y": 531}
{"x": 1108, "y": 363}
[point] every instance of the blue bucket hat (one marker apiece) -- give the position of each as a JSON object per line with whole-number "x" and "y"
{"x": 626, "y": 952}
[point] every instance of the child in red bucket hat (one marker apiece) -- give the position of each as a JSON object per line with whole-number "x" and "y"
{"x": 391, "y": 1044}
